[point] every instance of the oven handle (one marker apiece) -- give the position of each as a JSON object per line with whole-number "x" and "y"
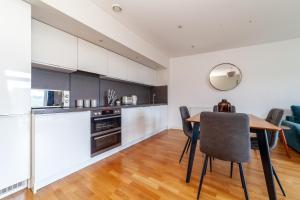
{"x": 103, "y": 118}
{"x": 104, "y": 136}
{"x": 106, "y": 131}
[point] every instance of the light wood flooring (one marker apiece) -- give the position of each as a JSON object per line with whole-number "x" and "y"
{"x": 150, "y": 170}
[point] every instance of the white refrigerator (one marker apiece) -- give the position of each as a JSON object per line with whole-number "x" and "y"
{"x": 15, "y": 83}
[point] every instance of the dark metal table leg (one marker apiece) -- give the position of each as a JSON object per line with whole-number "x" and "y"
{"x": 266, "y": 162}
{"x": 192, "y": 151}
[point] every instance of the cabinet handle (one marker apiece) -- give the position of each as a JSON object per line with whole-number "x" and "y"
{"x": 104, "y": 136}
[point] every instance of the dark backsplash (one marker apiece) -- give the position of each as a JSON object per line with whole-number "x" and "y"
{"x": 124, "y": 89}
{"x": 47, "y": 79}
{"x": 83, "y": 85}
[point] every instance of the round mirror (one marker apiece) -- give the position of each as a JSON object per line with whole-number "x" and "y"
{"x": 225, "y": 76}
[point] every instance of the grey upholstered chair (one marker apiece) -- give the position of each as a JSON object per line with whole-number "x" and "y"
{"x": 225, "y": 136}
{"x": 274, "y": 117}
{"x": 216, "y": 109}
{"x": 187, "y": 129}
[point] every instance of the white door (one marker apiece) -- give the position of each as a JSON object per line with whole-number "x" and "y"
{"x": 15, "y": 149}
{"x": 15, "y": 62}
{"x": 92, "y": 58}
{"x": 53, "y": 47}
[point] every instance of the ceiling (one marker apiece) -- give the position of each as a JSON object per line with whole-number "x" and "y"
{"x": 207, "y": 25}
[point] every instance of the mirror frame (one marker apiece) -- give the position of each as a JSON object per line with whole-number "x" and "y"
{"x": 220, "y": 65}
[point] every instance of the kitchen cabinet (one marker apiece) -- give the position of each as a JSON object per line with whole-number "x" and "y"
{"x": 53, "y": 47}
{"x": 142, "y": 122}
{"x": 92, "y": 58}
{"x": 61, "y": 142}
{"x": 117, "y": 67}
{"x": 15, "y": 149}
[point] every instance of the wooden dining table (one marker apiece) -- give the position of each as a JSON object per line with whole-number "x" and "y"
{"x": 258, "y": 126}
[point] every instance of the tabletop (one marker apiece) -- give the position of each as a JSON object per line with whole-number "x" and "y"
{"x": 254, "y": 122}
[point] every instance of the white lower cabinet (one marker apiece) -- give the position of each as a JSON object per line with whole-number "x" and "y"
{"x": 142, "y": 122}
{"x": 61, "y": 142}
{"x": 15, "y": 149}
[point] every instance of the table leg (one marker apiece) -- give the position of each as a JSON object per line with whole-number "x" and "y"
{"x": 266, "y": 162}
{"x": 192, "y": 151}
{"x": 285, "y": 143}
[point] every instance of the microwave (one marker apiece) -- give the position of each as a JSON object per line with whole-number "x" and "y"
{"x": 49, "y": 98}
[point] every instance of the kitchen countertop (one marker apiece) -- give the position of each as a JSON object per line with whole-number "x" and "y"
{"x": 74, "y": 109}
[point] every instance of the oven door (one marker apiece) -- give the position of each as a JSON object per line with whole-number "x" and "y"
{"x": 101, "y": 143}
{"x": 106, "y": 123}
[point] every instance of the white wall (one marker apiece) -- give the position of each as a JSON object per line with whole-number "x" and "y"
{"x": 271, "y": 78}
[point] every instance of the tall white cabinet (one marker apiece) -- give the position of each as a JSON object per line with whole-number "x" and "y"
{"x": 15, "y": 81}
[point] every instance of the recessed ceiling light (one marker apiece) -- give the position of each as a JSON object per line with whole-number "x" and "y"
{"x": 116, "y": 7}
{"x": 179, "y": 26}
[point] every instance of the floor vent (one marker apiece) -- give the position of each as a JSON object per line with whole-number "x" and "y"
{"x": 13, "y": 188}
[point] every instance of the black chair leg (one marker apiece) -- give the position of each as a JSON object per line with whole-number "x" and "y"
{"x": 243, "y": 181}
{"x": 231, "y": 169}
{"x": 278, "y": 181}
{"x": 185, "y": 146}
{"x": 202, "y": 176}
{"x": 210, "y": 164}
{"x": 188, "y": 146}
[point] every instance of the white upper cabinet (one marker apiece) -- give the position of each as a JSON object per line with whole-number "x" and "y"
{"x": 117, "y": 66}
{"x": 92, "y": 58}
{"x": 53, "y": 47}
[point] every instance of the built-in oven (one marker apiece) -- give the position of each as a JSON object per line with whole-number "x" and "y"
{"x": 105, "y": 130}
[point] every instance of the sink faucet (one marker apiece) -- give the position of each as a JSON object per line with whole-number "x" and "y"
{"x": 153, "y": 98}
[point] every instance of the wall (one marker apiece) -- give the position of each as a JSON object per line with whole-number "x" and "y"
{"x": 271, "y": 78}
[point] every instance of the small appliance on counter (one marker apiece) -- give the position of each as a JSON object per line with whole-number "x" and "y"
{"x": 129, "y": 100}
{"x": 105, "y": 130}
{"x": 44, "y": 98}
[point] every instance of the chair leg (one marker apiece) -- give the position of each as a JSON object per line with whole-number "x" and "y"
{"x": 185, "y": 146}
{"x": 243, "y": 181}
{"x": 202, "y": 175}
{"x": 231, "y": 169}
{"x": 188, "y": 146}
{"x": 278, "y": 181}
{"x": 210, "y": 164}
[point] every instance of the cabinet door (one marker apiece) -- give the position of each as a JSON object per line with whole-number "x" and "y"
{"x": 92, "y": 58}
{"x": 15, "y": 62}
{"x": 61, "y": 141}
{"x": 53, "y": 47}
{"x": 117, "y": 66}
{"x": 133, "y": 71}
{"x": 163, "y": 117}
{"x": 15, "y": 149}
{"x": 133, "y": 124}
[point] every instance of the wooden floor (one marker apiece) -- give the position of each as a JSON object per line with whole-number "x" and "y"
{"x": 150, "y": 170}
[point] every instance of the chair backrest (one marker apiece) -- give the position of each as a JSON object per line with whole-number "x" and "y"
{"x": 274, "y": 117}
{"x": 225, "y": 136}
{"x": 186, "y": 126}
{"x": 216, "y": 109}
